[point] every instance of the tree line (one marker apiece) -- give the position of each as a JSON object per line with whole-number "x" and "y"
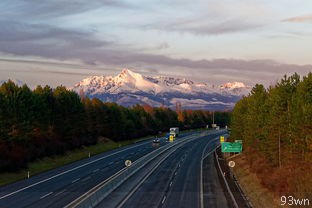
{"x": 46, "y": 121}
{"x": 275, "y": 125}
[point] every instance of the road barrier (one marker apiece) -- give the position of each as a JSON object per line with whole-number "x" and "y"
{"x": 93, "y": 197}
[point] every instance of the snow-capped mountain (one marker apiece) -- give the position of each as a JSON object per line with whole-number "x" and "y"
{"x": 130, "y": 88}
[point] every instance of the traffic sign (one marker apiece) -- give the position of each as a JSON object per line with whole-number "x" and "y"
{"x": 239, "y": 141}
{"x": 171, "y": 137}
{"x": 231, "y": 147}
{"x": 232, "y": 164}
{"x": 128, "y": 163}
{"x": 221, "y": 139}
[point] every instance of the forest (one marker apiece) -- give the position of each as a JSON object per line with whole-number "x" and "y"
{"x": 275, "y": 125}
{"x": 45, "y": 121}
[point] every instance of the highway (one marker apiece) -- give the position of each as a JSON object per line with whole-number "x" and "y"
{"x": 176, "y": 182}
{"x": 58, "y": 187}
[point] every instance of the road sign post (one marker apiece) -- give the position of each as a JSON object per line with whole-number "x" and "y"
{"x": 128, "y": 163}
{"x": 221, "y": 139}
{"x": 231, "y": 164}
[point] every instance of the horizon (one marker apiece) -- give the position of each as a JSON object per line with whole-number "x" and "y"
{"x": 60, "y": 43}
{"x": 21, "y": 82}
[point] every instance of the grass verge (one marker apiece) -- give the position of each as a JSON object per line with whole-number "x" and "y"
{"x": 258, "y": 195}
{"x": 48, "y": 163}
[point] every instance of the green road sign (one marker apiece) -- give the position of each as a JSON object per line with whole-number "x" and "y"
{"x": 239, "y": 141}
{"x": 231, "y": 147}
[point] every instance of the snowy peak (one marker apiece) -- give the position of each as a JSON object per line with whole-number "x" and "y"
{"x": 128, "y": 76}
{"x": 129, "y": 81}
{"x": 130, "y": 88}
{"x": 233, "y": 85}
{"x": 133, "y": 80}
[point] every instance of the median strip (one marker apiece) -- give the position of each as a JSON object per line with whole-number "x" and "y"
{"x": 106, "y": 187}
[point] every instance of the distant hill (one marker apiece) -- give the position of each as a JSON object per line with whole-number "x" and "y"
{"x": 16, "y": 81}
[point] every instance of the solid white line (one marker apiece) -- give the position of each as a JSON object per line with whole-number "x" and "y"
{"x": 74, "y": 181}
{"x": 46, "y": 195}
{"x": 58, "y": 193}
{"x": 227, "y": 185}
{"x": 141, "y": 182}
{"x": 164, "y": 199}
{"x": 70, "y": 170}
{"x": 201, "y": 171}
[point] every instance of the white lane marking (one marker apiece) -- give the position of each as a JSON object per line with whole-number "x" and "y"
{"x": 96, "y": 170}
{"x": 175, "y": 173}
{"x": 58, "y": 193}
{"x": 87, "y": 178}
{"x": 46, "y": 195}
{"x": 164, "y": 199}
{"x": 74, "y": 181}
{"x": 170, "y": 183}
{"x": 70, "y": 170}
{"x": 110, "y": 163}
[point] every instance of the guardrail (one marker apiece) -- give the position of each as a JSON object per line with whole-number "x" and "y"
{"x": 226, "y": 184}
{"x": 204, "y": 155}
{"x": 102, "y": 190}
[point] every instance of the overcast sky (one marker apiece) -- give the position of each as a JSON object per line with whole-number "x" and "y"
{"x": 216, "y": 41}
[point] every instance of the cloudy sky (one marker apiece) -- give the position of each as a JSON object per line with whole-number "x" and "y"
{"x": 216, "y": 41}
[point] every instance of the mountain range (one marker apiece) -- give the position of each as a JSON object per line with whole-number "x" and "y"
{"x": 129, "y": 88}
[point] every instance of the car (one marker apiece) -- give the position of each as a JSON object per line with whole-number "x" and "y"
{"x": 156, "y": 140}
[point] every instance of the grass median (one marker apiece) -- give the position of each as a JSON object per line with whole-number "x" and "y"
{"x": 48, "y": 163}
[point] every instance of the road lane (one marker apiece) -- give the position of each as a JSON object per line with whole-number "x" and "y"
{"x": 214, "y": 194}
{"x": 152, "y": 191}
{"x": 39, "y": 191}
{"x": 176, "y": 182}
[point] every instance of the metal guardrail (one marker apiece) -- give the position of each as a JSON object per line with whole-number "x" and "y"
{"x": 204, "y": 155}
{"x": 226, "y": 184}
{"x": 158, "y": 163}
{"x": 102, "y": 190}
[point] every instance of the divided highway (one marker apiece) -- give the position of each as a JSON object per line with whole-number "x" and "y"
{"x": 58, "y": 187}
{"x": 174, "y": 182}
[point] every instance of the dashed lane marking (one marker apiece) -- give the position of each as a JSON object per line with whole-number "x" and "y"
{"x": 164, "y": 199}
{"x": 44, "y": 196}
{"x": 74, "y": 181}
{"x": 58, "y": 193}
{"x": 96, "y": 170}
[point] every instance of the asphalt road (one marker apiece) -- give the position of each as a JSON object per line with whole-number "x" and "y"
{"x": 215, "y": 194}
{"x": 58, "y": 187}
{"x": 176, "y": 182}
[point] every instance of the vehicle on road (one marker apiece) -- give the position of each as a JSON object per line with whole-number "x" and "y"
{"x": 174, "y": 131}
{"x": 156, "y": 140}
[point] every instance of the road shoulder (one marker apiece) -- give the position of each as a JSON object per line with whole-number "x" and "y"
{"x": 258, "y": 195}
